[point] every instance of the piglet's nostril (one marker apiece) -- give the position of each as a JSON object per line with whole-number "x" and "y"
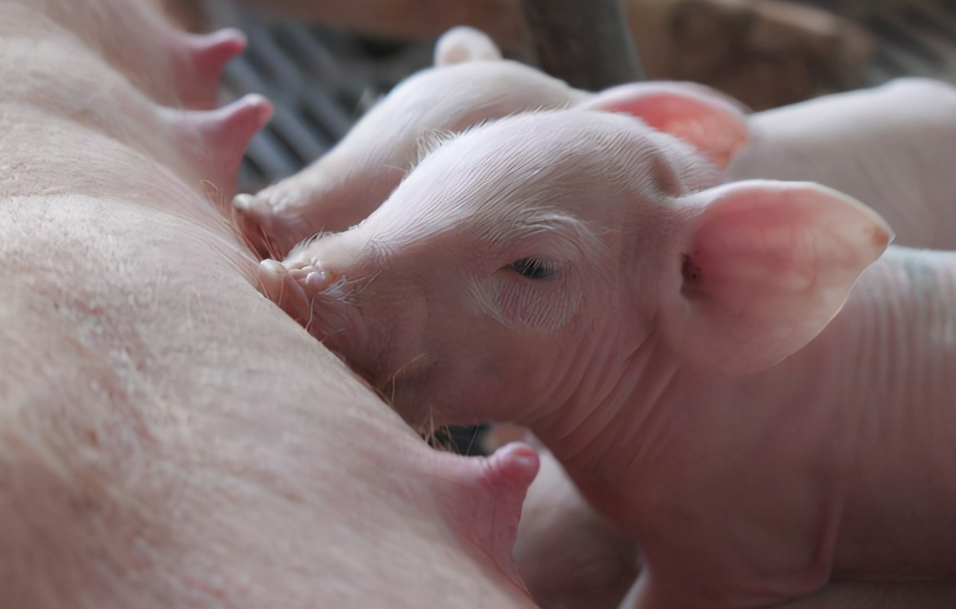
{"x": 313, "y": 278}
{"x": 318, "y": 280}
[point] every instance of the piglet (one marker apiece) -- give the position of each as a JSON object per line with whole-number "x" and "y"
{"x": 469, "y": 84}
{"x": 741, "y": 376}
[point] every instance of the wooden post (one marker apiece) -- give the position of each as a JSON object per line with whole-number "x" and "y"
{"x": 584, "y": 42}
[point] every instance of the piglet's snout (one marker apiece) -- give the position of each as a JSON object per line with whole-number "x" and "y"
{"x": 294, "y": 289}
{"x": 314, "y": 278}
{"x": 310, "y": 272}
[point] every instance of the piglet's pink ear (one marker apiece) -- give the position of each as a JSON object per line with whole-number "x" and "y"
{"x": 767, "y": 265}
{"x": 462, "y": 44}
{"x": 708, "y": 120}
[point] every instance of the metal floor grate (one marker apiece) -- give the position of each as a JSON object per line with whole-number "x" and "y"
{"x": 918, "y": 39}
{"x": 319, "y": 80}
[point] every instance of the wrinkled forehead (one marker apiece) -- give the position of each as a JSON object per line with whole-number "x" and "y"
{"x": 530, "y": 169}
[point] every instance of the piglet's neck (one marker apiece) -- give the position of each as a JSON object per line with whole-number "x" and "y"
{"x": 874, "y": 389}
{"x": 612, "y": 392}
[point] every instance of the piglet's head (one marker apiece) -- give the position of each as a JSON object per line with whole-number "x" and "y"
{"x": 548, "y": 258}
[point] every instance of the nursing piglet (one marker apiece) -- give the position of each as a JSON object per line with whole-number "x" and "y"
{"x": 736, "y": 375}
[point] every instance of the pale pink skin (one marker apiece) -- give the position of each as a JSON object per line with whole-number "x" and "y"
{"x": 870, "y": 123}
{"x": 590, "y": 565}
{"x": 343, "y": 187}
{"x": 891, "y": 146}
{"x": 168, "y": 438}
{"x": 682, "y": 363}
{"x": 570, "y": 557}
{"x": 172, "y": 67}
{"x": 203, "y": 148}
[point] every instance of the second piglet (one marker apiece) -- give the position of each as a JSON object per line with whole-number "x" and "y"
{"x": 735, "y": 374}
{"x": 469, "y": 84}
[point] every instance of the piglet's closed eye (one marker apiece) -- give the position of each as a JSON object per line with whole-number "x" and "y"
{"x": 766, "y": 265}
{"x": 706, "y": 119}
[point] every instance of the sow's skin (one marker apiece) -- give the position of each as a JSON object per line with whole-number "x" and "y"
{"x": 173, "y": 67}
{"x": 733, "y": 374}
{"x": 169, "y": 438}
